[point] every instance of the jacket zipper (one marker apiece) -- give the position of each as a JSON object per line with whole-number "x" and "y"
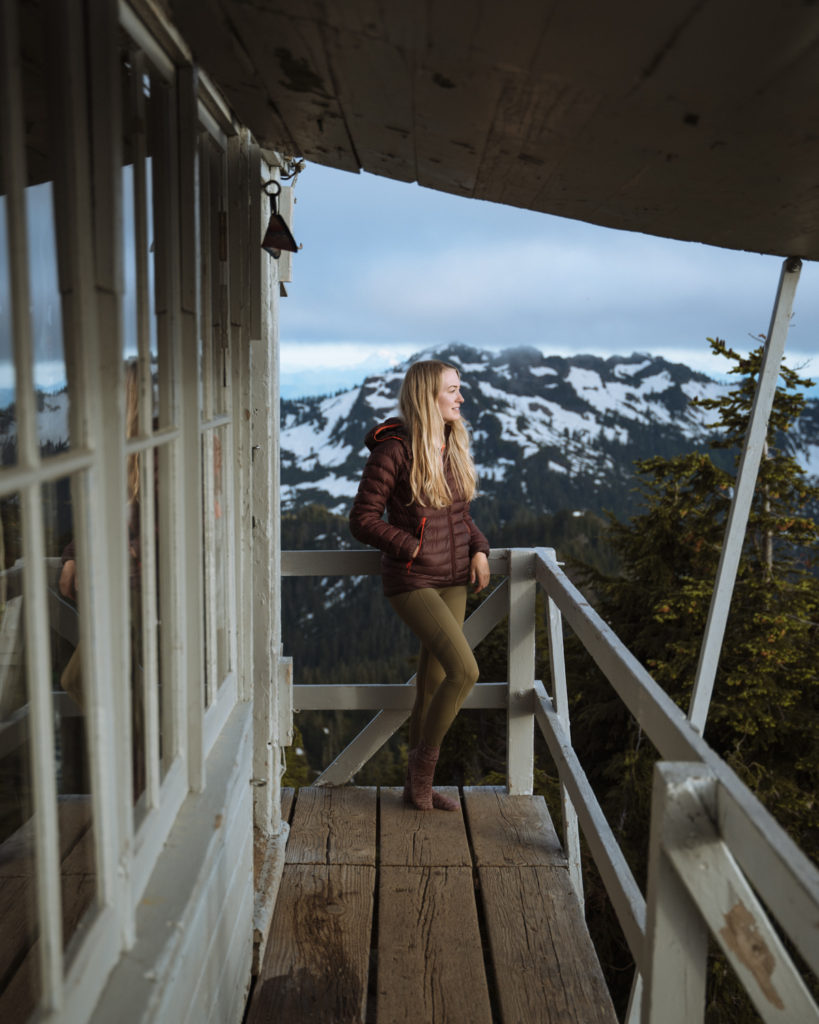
{"x": 420, "y": 542}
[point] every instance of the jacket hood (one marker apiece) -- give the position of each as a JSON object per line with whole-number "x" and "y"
{"x": 391, "y": 429}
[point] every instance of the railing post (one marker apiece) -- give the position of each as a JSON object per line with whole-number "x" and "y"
{"x": 560, "y": 697}
{"x": 520, "y": 731}
{"x": 674, "y": 960}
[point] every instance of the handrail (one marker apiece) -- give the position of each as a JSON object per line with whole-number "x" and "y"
{"x": 695, "y": 886}
{"x": 766, "y": 850}
{"x": 772, "y": 862}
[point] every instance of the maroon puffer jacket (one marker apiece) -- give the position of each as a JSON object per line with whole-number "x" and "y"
{"x": 447, "y": 536}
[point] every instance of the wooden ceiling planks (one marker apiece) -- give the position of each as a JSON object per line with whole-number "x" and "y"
{"x": 692, "y": 119}
{"x": 291, "y": 59}
{"x": 213, "y": 39}
{"x": 467, "y": 58}
{"x": 374, "y": 80}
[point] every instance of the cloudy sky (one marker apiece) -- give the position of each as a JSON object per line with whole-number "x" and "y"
{"x": 388, "y": 269}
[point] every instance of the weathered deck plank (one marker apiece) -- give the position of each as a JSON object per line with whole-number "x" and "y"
{"x": 430, "y": 963}
{"x": 544, "y": 963}
{"x": 509, "y": 830}
{"x": 421, "y": 838}
{"x": 317, "y": 959}
{"x": 333, "y": 825}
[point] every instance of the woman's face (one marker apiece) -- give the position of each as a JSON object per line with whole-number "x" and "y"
{"x": 449, "y": 396}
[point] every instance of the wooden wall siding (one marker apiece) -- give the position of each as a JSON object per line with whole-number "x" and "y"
{"x": 391, "y": 914}
{"x": 682, "y": 119}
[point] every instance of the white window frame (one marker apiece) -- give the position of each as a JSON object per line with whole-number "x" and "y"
{"x": 85, "y": 61}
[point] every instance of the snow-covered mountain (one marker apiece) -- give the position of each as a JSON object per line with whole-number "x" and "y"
{"x": 548, "y": 432}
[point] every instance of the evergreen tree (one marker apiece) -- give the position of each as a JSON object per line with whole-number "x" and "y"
{"x": 762, "y": 719}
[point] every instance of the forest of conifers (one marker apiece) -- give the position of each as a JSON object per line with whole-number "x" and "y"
{"x": 651, "y": 577}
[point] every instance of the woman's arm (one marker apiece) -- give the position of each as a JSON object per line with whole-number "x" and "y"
{"x": 377, "y": 485}
{"x": 477, "y": 541}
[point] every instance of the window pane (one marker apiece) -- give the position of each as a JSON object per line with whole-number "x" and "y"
{"x": 19, "y": 958}
{"x": 139, "y": 299}
{"x": 50, "y": 375}
{"x": 143, "y": 616}
{"x": 64, "y": 577}
{"x": 19, "y": 971}
{"x": 215, "y": 314}
{"x": 8, "y": 415}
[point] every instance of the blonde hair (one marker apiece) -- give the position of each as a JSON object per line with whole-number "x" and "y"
{"x": 418, "y": 403}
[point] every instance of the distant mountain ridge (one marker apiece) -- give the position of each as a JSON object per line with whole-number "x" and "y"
{"x": 549, "y": 432}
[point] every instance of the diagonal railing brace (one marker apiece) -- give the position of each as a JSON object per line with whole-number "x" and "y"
{"x": 743, "y": 495}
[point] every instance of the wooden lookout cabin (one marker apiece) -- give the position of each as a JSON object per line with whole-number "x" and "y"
{"x": 151, "y": 867}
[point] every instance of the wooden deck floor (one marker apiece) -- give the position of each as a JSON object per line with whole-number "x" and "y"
{"x": 387, "y": 914}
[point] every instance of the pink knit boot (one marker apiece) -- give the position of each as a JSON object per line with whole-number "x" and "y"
{"x": 418, "y": 790}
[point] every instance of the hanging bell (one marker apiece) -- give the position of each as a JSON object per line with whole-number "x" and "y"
{"x": 278, "y": 235}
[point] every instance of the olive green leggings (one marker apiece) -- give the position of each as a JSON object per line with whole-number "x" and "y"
{"x": 447, "y": 669}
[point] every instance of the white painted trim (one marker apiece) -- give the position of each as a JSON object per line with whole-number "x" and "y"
{"x": 557, "y": 664}
{"x": 55, "y": 467}
{"x": 380, "y": 696}
{"x": 674, "y": 965}
{"x": 744, "y": 486}
{"x": 709, "y": 889}
{"x": 356, "y": 754}
{"x": 93, "y": 350}
{"x": 142, "y": 37}
{"x": 163, "y": 436}
{"x": 190, "y": 472}
{"x": 520, "y": 733}
{"x": 155, "y": 828}
{"x": 238, "y": 295}
{"x": 225, "y": 420}
{"x": 267, "y": 884}
{"x": 38, "y": 673}
{"x": 91, "y": 955}
{"x": 219, "y": 711}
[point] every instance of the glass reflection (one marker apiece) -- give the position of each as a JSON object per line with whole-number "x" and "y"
{"x": 8, "y": 413}
{"x": 72, "y": 766}
{"x": 139, "y": 296}
{"x": 50, "y": 375}
{"x": 19, "y": 969}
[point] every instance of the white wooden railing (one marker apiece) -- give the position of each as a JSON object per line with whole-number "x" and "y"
{"x": 716, "y": 855}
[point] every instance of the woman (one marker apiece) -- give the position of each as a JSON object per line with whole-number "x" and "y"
{"x": 421, "y": 471}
